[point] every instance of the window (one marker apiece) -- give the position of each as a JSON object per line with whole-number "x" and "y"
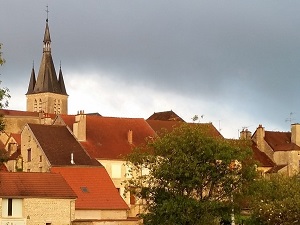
{"x": 12, "y": 207}
{"x": 40, "y": 105}
{"x": 48, "y": 223}
{"x": 29, "y": 155}
{"x": 116, "y": 171}
{"x": 35, "y": 105}
{"x": 9, "y": 207}
{"x": 41, "y": 169}
{"x": 41, "y": 158}
{"x": 84, "y": 189}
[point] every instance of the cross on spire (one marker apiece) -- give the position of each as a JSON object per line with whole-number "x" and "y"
{"x": 47, "y": 11}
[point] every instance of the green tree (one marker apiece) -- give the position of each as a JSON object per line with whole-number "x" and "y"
{"x": 191, "y": 176}
{"x": 4, "y": 96}
{"x": 276, "y": 201}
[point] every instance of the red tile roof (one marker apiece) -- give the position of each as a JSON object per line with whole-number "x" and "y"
{"x": 280, "y": 141}
{"x": 58, "y": 144}
{"x": 107, "y": 137}
{"x": 3, "y": 168}
{"x": 34, "y": 185}
{"x": 159, "y": 126}
{"x": 165, "y": 116}
{"x": 8, "y": 112}
{"x": 93, "y": 186}
{"x": 16, "y": 137}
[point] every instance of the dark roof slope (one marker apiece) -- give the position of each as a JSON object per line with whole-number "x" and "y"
{"x": 280, "y": 141}
{"x": 58, "y": 144}
{"x": 261, "y": 157}
{"x": 159, "y": 126}
{"x": 165, "y": 116}
{"x": 93, "y": 186}
{"x": 34, "y": 185}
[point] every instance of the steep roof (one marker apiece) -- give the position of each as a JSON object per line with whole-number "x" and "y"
{"x": 280, "y": 141}
{"x": 59, "y": 144}
{"x": 32, "y": 82}
{"x": 47, "y": 80}
{"x": 93, "y": 186}
{"x": 159, "y": 126}
{"x": 261, "y": 157}
{"x": 34, "y": 185}
{"x": 107, "y": 137}
{"x": 165, "y": 116}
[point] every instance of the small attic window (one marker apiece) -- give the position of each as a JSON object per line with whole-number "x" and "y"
{"x": 84, "y": 189}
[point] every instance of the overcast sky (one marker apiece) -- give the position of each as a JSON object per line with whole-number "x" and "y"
{"x": 235, "y": 62}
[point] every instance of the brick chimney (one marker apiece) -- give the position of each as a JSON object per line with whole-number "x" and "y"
{"x": 245, "y": 134}
{"x": 129, "y": 136}
{"x": 295, "y": 130}
{"x": 79, "y": 126}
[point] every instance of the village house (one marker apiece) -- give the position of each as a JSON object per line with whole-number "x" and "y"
{"x": 36, "y": 199}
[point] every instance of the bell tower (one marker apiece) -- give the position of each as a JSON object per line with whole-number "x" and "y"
{"x": 47, "y": 93}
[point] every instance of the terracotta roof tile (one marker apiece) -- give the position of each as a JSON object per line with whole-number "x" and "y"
{"x": 58, "y": 144}
{"x": 280, "y": 141}
{"x": 34, "y": 185}
{"x": 93, "y": 186}
{"x": 8, "y": 112}
{"x": 107, "y": 137}
{"x": 165, "y": 116}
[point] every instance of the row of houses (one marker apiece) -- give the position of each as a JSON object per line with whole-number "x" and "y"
{"x": 69, "y": 169}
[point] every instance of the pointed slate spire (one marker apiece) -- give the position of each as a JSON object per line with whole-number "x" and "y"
{"x": 61, "y": 82}
{"x": 47, "y": 79}
{"x": 47, "y": 39}
{"x": 31, "y": 82}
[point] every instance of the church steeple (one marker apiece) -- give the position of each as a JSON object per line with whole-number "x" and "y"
{"x": 47, "y": 39}
{"x": 31, "y": 82}
{"x": 47, "y": 92}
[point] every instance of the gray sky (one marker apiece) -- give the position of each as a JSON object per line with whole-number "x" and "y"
{"x": 235, "y": 62}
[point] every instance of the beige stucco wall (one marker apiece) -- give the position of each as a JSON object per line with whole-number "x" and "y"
{"x": 291, "y": 158}
{"x": 117, "y": 177}
{"x": 101, "y": 214}
{"x": 111, "y": 166}
{"x": 48, "y": 103}
{"x": 29, "y": 142}
{"x": 14, "y": 124}
{"x": 55, "y": 211}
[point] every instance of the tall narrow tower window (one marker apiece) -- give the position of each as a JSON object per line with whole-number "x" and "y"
{"x": 54, "y": 106}
{"x": 40, "y": 105}
{"x": 58, "y": 106}
{"x": 35, "y": 105}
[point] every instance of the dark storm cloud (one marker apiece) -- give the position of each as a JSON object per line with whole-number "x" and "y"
{"x": 245, "y": 54}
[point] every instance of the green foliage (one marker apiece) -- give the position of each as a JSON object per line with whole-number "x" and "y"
{"x": 192, "y": 175}
{"x": 2, "y": 61}
{"x": 276, "y": 201}
{"x": 4, "y": 156}
{"x": 4, "y": 94}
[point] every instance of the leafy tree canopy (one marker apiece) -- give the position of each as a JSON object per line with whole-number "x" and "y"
{"x": 189, "y": 176}
{"x": 276, "y": 201}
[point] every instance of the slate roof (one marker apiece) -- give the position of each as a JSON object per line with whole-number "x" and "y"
{"x": 107, "y": 136}
{"x": 159, "y": 126}
{"x": 165, "y": 116}
{"x": 34, "y": 185}
{"x": 93, "y": 186}
{"x": 58, "y": 144}
{"x": 47, "y": 80}
{"x": 280, "y": 141}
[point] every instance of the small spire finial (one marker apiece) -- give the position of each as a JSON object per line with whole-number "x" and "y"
{"x": 33, "y": 64}
{"x": 60, "y": 64}
{"x": 47, "y": 11}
